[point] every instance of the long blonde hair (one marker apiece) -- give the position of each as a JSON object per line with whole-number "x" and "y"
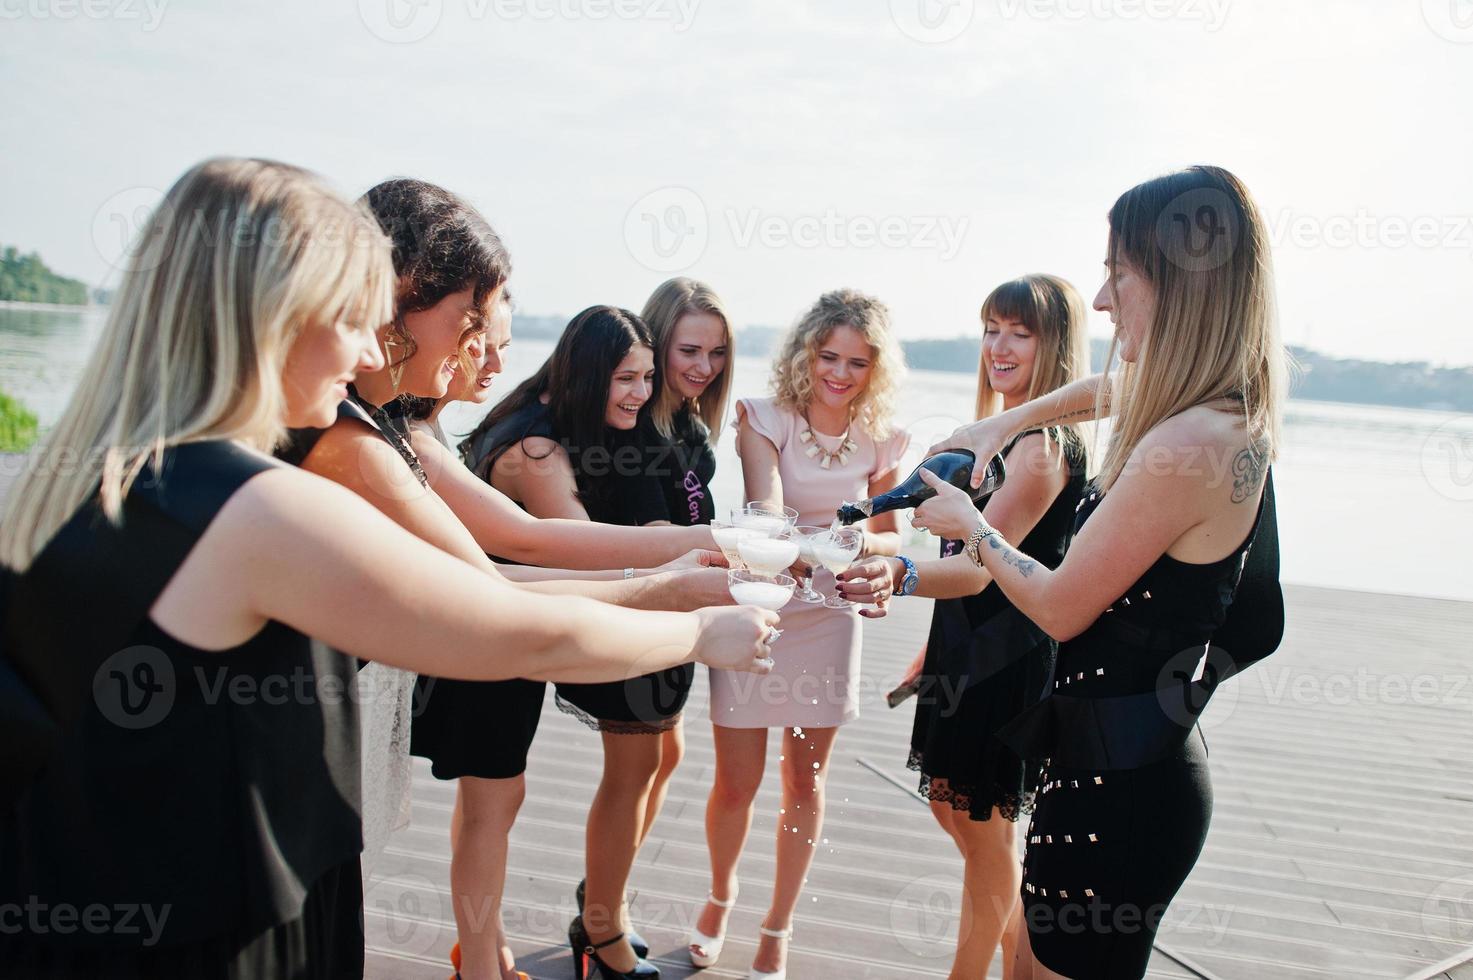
{"x": 1199, "y": 239}
{"x": 792, "y": 372}
{"x": 670, "y": 301}
{"x": 1053, "y": 311}
{"x": 238, "y": 259}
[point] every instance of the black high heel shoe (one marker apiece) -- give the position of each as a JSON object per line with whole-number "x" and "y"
{"x": 587, "y": 965}
{"x": 641, "y": 948}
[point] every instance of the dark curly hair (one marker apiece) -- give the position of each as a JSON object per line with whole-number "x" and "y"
{"x": 440, "y": 243}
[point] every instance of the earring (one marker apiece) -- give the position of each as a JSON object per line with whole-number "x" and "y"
{"x": 392, "y": 345}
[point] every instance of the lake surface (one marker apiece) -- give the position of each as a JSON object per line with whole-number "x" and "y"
{"x": 1370, "y": 498}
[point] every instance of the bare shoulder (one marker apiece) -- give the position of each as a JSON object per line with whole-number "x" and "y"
{"x": 286, "y": 507}
{"x": 355, "y": 455}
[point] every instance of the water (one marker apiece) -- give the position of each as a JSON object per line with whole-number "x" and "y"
{"x": 1370, "y": 498}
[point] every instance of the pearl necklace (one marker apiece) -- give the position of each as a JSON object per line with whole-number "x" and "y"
{"x": 847, "y": 446}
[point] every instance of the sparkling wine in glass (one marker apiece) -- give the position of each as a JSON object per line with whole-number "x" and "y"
{"x": 836, "y": 551}
{"x": 751, "y": 588}
{"x": 768, "y": 520}
{"x": 769, "y": 555}
{"x": 729, "y": 539}
{"x": 805, "y": 536}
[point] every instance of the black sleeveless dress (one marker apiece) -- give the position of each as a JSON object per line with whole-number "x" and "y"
{"x": 682, "y": 466}
{"x": 199, "y": 815}
{"x": 1126, "y": 797}
{"x": 485, "y": 728}
{"x": 985, "y": 663}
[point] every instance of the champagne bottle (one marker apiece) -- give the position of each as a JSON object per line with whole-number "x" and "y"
{"x": 954, "y": 466}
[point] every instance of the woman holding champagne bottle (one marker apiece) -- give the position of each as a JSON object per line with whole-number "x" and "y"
{"x": 1158, "y": 555}
{"x": 824, "y": 437}
{"x": 984, "y": 662}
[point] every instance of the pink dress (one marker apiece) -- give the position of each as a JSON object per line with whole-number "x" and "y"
{"x": 813, "y": 682}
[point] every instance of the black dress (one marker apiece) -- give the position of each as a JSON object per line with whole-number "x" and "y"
{"x": 985, "y": 663}
{"x": 683, "y": 465}
{"x": 199, "y": 815}
{"x": 1123, "y": 810}
{"x": 485, "y": 728}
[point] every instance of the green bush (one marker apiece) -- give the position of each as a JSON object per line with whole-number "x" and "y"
{"x": 17, "y": 426}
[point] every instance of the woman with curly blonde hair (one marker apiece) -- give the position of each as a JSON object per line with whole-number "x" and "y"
{"x": 823, "y": 438}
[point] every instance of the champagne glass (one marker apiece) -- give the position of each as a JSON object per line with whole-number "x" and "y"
{"x": 836, "y": 551}
{"x": 769, "y": 520}
{"x": 729, "y": 539}
{"x": 749, "y": 588}
{"x": 805, "y": 536}
{"x": 769, "y": 555}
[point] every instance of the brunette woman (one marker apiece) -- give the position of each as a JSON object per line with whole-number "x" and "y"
{"x": 825, "y": 436}
{"x": 984, "y": 662}
{"x": 1158, "y": 552}
{"x": 559, "y": 444}
{"x": 199, "y": 558}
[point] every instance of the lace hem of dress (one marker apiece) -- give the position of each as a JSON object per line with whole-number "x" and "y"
{"x": 617, "y": 727}
{"x": 938, "y": 789}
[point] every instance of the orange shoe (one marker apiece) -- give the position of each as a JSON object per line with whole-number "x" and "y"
{"x": 455, "y": 962}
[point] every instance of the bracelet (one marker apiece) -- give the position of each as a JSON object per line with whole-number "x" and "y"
{"x": 974, "y": 543}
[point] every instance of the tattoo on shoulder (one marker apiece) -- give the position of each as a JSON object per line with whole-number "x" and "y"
{"x": 1249, "y": 468}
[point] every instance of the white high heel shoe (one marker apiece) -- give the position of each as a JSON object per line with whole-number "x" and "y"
{"x": 782, "y": 974}
{"x": 709, "y": 946}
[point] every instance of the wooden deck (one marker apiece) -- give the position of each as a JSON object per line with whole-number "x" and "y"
{"x": 1341, "y": 843}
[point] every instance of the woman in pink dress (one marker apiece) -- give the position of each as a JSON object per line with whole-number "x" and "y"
{"x": 825, "y": 437}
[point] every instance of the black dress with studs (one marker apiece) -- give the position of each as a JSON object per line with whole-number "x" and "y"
{"x": 986, "y": 663}
{"x": 1123, "y": 810}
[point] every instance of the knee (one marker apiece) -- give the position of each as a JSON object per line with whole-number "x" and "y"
{"x": 803, "y": 785}
{"x": 734, "y": 790}
{"x": 492, "y": 809}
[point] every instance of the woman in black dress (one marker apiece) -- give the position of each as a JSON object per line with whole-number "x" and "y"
{"x": 678, "y": 432}
{"x": 562, "y": 445}
{"x": 1159, "y": 548}
{"x": 984, "y": 662}
{"x": 209, "y": 572}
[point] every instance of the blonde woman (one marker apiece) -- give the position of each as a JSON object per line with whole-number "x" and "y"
{"x": 205, "y": 566}
{"x": 825, "y": 436}
{"x": 1159, "y": 549}
{"x": 984, "y": 662}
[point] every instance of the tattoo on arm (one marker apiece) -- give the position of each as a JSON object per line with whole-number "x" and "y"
{"x": 1065, "y": 417}
{"x": 1249, "y": 468}
{"x": 1011, "y": 555}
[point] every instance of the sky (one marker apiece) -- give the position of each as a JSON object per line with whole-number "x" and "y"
{"x": 920, "y": 150}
